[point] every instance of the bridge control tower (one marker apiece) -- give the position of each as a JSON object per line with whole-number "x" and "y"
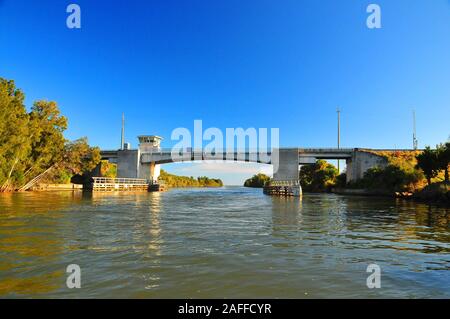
{"x": 150, "y": 144}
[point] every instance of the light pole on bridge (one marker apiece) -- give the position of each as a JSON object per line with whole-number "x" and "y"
{"x": 338, "y": 136}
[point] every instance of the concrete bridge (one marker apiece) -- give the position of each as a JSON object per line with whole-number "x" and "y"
{"x": 145, "y": 161}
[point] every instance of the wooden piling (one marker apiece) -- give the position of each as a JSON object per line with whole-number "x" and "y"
{"x": 283, "y": 189}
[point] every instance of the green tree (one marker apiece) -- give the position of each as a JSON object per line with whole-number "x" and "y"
{"x": 79, "y": 157}
{"x": 318, "y": 177}
{"x": 108, "y": 169}
{"x": 14, "y": 141}
{"x": 184, "y": 181}
{"x": 427, "y": 161}
{"x": 257, "y": 181}
{"x": 443, "y": 158}
{"x": 46, "y": 127}
{"x": 32, "y": 145}
{"x": 390, "y": 178}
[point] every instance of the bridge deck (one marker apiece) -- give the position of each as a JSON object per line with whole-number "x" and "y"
{"x": 165, "y": 155}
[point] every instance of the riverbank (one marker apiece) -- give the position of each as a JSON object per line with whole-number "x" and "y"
{"x": 436, "y": 193}
{"x": 439, "y": 192}
{"x": 56, "y": 187}
{"x": 361, "y": 192}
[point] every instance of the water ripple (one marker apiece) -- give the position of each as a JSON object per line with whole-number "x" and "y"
{"x": 229, "y": 242}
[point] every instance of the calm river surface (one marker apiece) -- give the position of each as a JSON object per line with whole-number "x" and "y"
{"x": 214, "y": 243}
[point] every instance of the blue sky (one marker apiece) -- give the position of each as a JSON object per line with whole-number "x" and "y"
{"x": 282, "y": 64}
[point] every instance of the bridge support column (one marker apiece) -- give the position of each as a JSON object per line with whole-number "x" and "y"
{"x": 286, "y": 174}
{"x": 349, "y": 170}
{"x": 155, "y": 171}
{"x": 150, "y": 171}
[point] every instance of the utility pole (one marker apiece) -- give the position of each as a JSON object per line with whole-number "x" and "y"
{"x": 339, "y": 135}
{"x": 415, "y": 141}
{"x": 122, "y": 140}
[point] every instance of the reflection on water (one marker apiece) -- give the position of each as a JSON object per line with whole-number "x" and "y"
{"x": 230, "y": 242}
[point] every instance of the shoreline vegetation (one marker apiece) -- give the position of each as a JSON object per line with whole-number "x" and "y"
{"x": 257, "y": 181}
{"x": 169, "y": 180}
{"x": 35, "y": 155}
{"x": 421, "y": 175}
{"x": 175, "y": 181}
{"x": 32, "y": 144}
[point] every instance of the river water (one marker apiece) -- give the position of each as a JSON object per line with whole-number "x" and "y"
{"x": 230, "y": 242}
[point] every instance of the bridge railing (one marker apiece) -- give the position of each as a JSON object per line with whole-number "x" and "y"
{"x": 285, "y": 183}
{"x": 206, "y": 151}
{"x": 167, "y": 155}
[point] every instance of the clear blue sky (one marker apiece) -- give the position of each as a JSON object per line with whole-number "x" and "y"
{"x": 283, "y": 64}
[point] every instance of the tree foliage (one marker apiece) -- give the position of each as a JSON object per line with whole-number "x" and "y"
{"x": 185, "y": 181}
{"x": 407, "y": 171}
{"x": 32, "y": 142}
{"x": 14, "y": 132}
{"x": 257, "y": 181}
{"x": 318, "y": 177}
{"x": 79, "y": 157}
{"x": 46, "y": 128}
{"x": 443, "y": 159}
{"x": 427, "y": 161}
{"x": 108, "y": 169}
{"x": 391, "y": 178}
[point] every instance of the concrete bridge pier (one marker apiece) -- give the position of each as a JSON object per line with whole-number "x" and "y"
{"x": 286, "y": 174}
{"x": 150, "y": 171}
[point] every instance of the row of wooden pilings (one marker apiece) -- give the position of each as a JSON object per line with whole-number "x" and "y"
{"x": 283, "y": 189}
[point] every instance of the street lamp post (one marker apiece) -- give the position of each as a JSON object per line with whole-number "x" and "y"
{"x": 339, "y": 135}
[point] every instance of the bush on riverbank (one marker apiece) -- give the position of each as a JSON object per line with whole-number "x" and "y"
{"x": 419, "y": 174}
{"x": 400, "y": 175}
{"x": 184, "y": 181}
{"x": 392, "y": 178}
{"x": 257, "y": 181}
